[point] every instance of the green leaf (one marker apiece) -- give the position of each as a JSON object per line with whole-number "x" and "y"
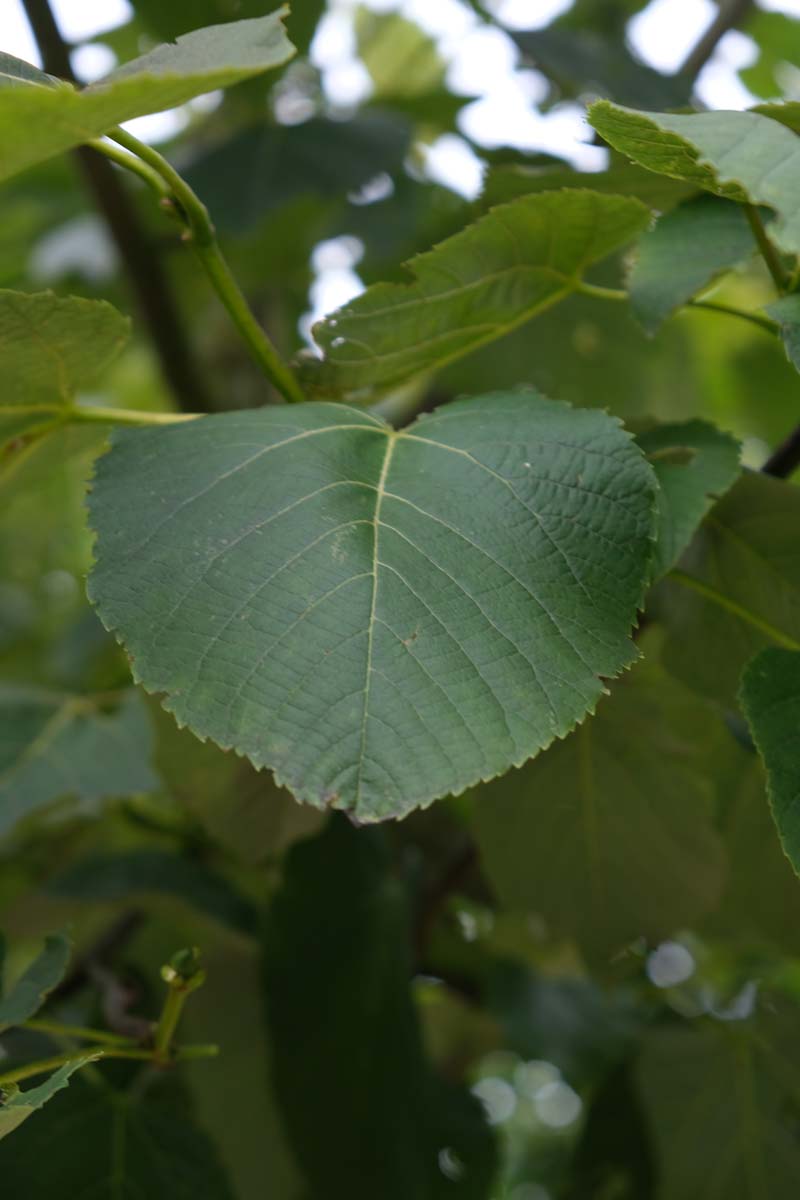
{"x": 786, "y": 312}
{"x": 14, "y": 72}
{"x": 609, "y": 835}
{"x": 770, "y": 698}
{"x": 38, "y": 121}
{"x": 50, "y": 346}
{"x": 379, "y": 617}
{"x": 777, "y": 37}
{"x": 472, "y": 288}
{"x": 623, "y": 178}
{"x": 104, "y": 1144}
{"x": 694, "y": 464}
{"x": 685, "y": 252}
{"x": 580, "y": 61}
{"x": 743, "y": 156}
{"x": 363, "y": 1110}
{"x": 113, "y": 877}
{"x": 261, "y": 169}
{"x": 18, "y": 1106}
{"x": 721, "y": 1099}
{"x": 54, "y": 746}
{"x": 31, "y": 990}
{"x": 746, "y": 549}
{"x": 240, "y": 807}
{"x": 401, "y": 59}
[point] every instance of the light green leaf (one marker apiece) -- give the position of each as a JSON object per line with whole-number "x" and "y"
{"x": 777, "y": 37}
{"x": 15, "y": 72}
{"x": 18, "y": 1106}
{"x": 746, "y": 550}
{"x": 770, "y": 698}
{"x": 50, "y": 346}
{"x": 685, "y": 252}
{"x": 743, "y": 156}
{"x": 32, "y": 989}
{"x": 38, "y": 121}
{"x": 381, "y": 618}
{"x": 721, "y": 1100}
{"x": 471, "y": 289}
{"x": 364, "y": 1111}
{"x": 54, "y": 746}
{"x": 98, "y": 1143}
{"x": 401, "y": 59}
{"x": 786, "y": 312}
{"x": 694, "y": 464}
{"x": 609, "y": 835}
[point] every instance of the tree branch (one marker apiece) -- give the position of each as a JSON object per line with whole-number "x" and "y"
{"x": 731, "y": 13}
{"x": 785, "y": 460}
{"x": 148, "y": 278}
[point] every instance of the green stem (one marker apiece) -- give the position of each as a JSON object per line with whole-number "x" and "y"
{"x": 131, "y": 163}
{"x": 768, "y": 251}
{"x": 168, "y": 1021}
{"x": 731, "y": 606}
{"x": 619, "y": 295}
{"x": 78, "y": 1031}
{"x": 61, "y": 1060}
{"x": 103, "y": 415}
{"x": 202, "y": 235}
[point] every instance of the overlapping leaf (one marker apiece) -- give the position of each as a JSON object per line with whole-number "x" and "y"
{"x": 786, "y": 312}
{"x": 31, "y": 990}
{"x": 513, "y": 263}
{"x": 721, "y": 1100}
{"x": 54, "y": 746}
{"x": 743, "y": 156}
{"x": 18, "y": 1106}
{"x": 770, "y": 697}
{"x": 379, "y": 617}
{"x": 609, "y": 835}
{"x": 39, "y": 120}
{"x": 695, "y": 464}
{"x": 745, "y": 551}
{"x": 140, "y": 1142}
{"x": 686, "y": 251}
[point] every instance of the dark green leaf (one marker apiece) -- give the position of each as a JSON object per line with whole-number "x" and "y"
{"x": 38, "y": 121}
{"x": 609, "y": 834}
{"x": 695, "y": 464}
{"x": 364, "y": 1112}
{"x": 722, "y": 1105}
{"x": 31, "y": 990}
{"x": 777, "y": 36}
{"x": 134, "y": 872}
{"x": 54, "y": 746}
{"x": 770, "y": 698}
{"x": 103, "y": 1144}
{"x": 251, "y": 174}
{"x": 746, "y": 550}
{"x": 582, "y": 62}
{"x": 740, "y": 155}
{"x": 381, "y": 618}
{"x": 685, "y": 252}
{"x": 498, "y": 273}
{"x": 786, "y": 312}
{"x": 18, "y": 1106}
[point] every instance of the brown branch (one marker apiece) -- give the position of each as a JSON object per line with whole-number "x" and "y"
{"x": 731, "y": 13}
{"x": 148, "y": 278}
{"x": 785, "y": 460}
{"x": 98, "y": 954}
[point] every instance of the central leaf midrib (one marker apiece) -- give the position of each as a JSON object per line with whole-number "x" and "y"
{"x": 380, "y": 491}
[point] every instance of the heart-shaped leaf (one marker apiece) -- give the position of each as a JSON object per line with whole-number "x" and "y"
{"x": 504, "y": 269}
{"x": 380, "y": 617}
